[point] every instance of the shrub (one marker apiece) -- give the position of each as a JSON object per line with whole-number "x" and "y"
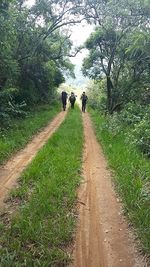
{"x": 132, "y": 113}
{"x": 141, "y": 135}
{"x": 9, "y": 108}
{"x": 134, "y": 121}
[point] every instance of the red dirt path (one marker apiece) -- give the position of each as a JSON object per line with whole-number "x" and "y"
{"x": 102, "y": 238}
{"x": 11, "y": 171}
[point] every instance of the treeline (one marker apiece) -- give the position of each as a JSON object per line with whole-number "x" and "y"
{"x": 35, "y": 45}
{"x": 119, "y": 64}
{"x": 33, "y": 55}
{"x": 119, "y": 93}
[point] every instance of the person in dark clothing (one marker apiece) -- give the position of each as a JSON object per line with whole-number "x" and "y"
{"x": 84, "y": 99}
{"x": 64, "y": 99}
{"x": 72, "y": 100}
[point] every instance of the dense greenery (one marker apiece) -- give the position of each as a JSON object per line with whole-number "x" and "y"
{"x": 119, "y": 50}
{"x": 133, "y": 118}
{"x": 34, "y": 50}
{"x": 119, "y": 64}
{"x": 38, "y": 235}
{"x": 21, "y": 131}
{"x": 131, "y": 173}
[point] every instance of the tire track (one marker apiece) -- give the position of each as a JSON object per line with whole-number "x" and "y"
{"x": 102, "y": 238}
{"x": 11, "y": 171}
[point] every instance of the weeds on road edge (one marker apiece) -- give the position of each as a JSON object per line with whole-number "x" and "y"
{"x": 43, "y": 226}
{"x": 131, "y": 174}
{"x": 23, "y": 129}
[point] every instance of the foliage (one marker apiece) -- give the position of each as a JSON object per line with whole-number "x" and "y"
{"x": 96, "y": 94}
{"x": 9, "y": 108}
{"x": 119, "y": 56}
{"x": 8, "y": 64}
{"x": 141, "y": 134}
{"x": 41, "y": 230}
{"x": 135, "y": 121}
{"x": 19, "y": 132}
{"x": 118, "y": 50}
{"x": 34, "y": 51}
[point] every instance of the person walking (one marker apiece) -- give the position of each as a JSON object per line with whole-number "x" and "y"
{"x": 72, "y": 100}
{"x": 84, "y": 99}
{"x": 64, "y": 96}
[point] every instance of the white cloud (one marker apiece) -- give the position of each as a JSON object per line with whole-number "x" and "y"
{"x": 30, "y": 3}
{"x": 79, "y": 35}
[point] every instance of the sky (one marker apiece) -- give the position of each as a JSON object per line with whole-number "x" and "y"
{"x": 79, "y": 35}
{"x": 30, "y": 2}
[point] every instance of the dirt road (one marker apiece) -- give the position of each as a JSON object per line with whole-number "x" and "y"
{"x": 102, "y": 238}
{"x": 10, "y": 172}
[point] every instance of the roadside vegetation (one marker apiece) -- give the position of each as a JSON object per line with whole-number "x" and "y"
{"x": 131, "y": 172}
{"x": 34, "y": 56}
{"x": 20, "y": 131}
{"x": 34, "y": 62}
{"x": 119, "y": 95}
{"x": 40, "y": 231}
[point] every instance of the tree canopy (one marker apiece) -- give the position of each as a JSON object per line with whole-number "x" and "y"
{"x": 118, "y": 49}
{"x": 34, "y": 50}
{"x": 35, "y": 47}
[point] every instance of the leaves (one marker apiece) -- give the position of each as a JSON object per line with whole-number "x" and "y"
{"x": 119, "y": 49}
{"x": 33, "y": 50}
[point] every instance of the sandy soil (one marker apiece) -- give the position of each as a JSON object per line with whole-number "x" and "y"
{"x": 11, "y": 171}
{"x": 102, "y": 237}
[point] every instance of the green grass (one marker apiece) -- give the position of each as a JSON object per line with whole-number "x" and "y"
{"x": 132, "y": 177}
{"x": 43, "y": 226}
{"x": 22, "y": 130}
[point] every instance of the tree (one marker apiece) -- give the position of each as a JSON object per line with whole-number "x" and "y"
{"x": 8, "y": 65}
{"x": 109, "y": 43}
{"x": 34, "y": 38}
{"x": 107, "y": 56}
{"x": 34, "y": 49}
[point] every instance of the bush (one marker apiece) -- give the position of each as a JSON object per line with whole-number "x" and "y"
{"x": 134, "y": 121}
{"x": 96, "y": 95}
{"x": 141, "y": 135}
{"x": 9, "y": 108}
{"x": 132, "y": 113}
{"x": 113, "y": 124}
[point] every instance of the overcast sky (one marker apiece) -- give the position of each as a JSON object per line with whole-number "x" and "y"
{"x": 79, "y": 35}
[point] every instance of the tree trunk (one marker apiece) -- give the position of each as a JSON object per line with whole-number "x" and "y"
{"x": 109, "y": 94}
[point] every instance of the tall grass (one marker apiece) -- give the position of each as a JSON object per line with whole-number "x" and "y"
{"x": 23, "y": 129}
{"x": 42, "y": 229}
{"x": 131, "y": 174}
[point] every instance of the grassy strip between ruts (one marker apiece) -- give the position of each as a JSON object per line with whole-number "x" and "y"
{"x": 40, "y": 232}
{"x": 132, "y": 176}
{"x": 22, "y": 130}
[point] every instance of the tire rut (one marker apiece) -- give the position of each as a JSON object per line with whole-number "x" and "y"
{"x": 102, "y": 238}
{"x": 11, "y": 171}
